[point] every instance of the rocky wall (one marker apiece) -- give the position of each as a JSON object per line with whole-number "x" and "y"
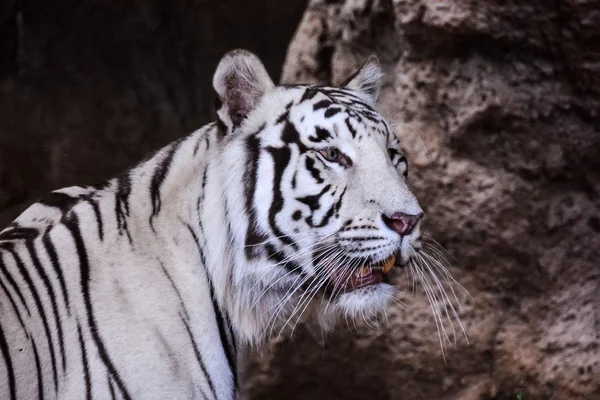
{"x": 497, "y": 104}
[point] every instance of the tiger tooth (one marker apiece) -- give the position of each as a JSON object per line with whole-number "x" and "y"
{"x": 389, "y": 264}
{"x": 364, "y": 271}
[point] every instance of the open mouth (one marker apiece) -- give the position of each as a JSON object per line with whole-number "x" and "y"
{"x": 348, "y": 280}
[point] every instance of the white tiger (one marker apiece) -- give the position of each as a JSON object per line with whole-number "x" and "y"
{"x": 144, "y": 286}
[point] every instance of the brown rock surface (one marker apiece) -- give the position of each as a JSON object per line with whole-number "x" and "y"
{"x": 497, "y": 103}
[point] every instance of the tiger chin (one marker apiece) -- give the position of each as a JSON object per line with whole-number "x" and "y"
{"x": 293, "y": 203}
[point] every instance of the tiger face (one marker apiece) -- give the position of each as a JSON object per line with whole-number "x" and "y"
{"x": 323, "y": 182}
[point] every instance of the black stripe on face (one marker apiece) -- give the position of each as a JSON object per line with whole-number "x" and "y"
{"x": 52, "y": 254}
{"x": 362, "y": 238}
{"x": 324, "y": 221}
{"x": 9, "y": 366}
{"x": 71, "y": 222}
{"x": 321, "y": 104}
{"x": 332, "y": 111}
{"x": 350, "y": 127}
{"x": 281, "y": 158}
{"x": 281, "y": 259}
{"x": 160, "y": 173}
{"x": 253, "y": 236}
{"x": 290, "y": 135}
{"x": 19, "y": 233}
{"x": 86, "y": 369}
{"x": 38, "y": 303}
{"x": 38, "y": 369}
{"x": 338, "y": 203}
{"x": 200, "y": 361}
{"x": 283, "y": 117}
{"x": 321, "y": 134}
{"x": 315, "y": 173}
{"x": 38, "y": 267}
{"x": 309, "y": 94}
{"x": 312, "y": 201}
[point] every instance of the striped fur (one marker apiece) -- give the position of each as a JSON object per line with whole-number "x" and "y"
{"x": 143, "y": 287}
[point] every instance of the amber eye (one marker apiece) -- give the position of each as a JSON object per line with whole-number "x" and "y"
{"x": 330, "y": 154}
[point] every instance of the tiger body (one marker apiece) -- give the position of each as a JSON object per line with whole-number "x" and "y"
{"x": 144, "y": 287}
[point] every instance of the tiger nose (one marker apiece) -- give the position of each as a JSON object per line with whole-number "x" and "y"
{"x": 402, "y": 223}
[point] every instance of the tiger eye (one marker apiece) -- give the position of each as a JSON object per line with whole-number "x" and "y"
{"x": 330, "y": 154}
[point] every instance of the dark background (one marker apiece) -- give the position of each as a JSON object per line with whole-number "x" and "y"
{"x": 496, "y": 102}
{"x": 88, "y": 88}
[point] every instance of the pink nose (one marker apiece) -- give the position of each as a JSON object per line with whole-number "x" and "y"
{"x": 401, "y": 223}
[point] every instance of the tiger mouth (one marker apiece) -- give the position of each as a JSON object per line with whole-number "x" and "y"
{"x": 347, "y": 281}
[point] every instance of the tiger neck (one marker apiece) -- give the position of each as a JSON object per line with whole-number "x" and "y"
{"x": 197, "y": 185}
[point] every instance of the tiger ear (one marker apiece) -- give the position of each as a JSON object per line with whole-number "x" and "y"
{"x": 367, "y": 81}
{"x": 240, "y": 82}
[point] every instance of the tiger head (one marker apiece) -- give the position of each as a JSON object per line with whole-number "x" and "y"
{"x": 317, "y": 196}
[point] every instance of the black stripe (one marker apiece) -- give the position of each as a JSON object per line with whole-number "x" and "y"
{"x": 203, "y": 137}
{"x": 9, "y": 366}
{"x": 175, "y": 289}
{"x": 40, "y": 308}
{"x": 321, "y": 104}
{"x": 13, "y": 284}
{"x": 281, "y": 260}
{"x": 253, "y": 236}
{"x": 325, "y": 219}
{"x": 283, "y": 117}
{"x": 363, "y": 249}
{"x": 281, "y": 158}
{"x": 199, "y": 359}
{"x": 52, "y": 254}
{"x": 38, "y": 368}
{"x": 160, "y": 173}
{"x": 338, "y": 203}
{"x": 223, "y": 324}
{"x": 347, "y": 97}
{"x": 222, "y": 321}
{"x": 315, "y": 172}
{"x": 312, "y": 201}
{"x": 72, "y": 224}
{"x": 111, "y": 388}
{"x": 290, "y": 135}
{"x": 362, "y": 238}
{"x": 38, "y": 266}
{"x": 98, "y": 217}
{"x": 86, "y": 369}
{"x": 332, "y": 111}
{"x": 226, "y": 342}
{"x": 350, "y": 127}
{"x": 321, "y": 134}
{"x": 19, "y": 233}
{"x": 359, "y": 227}
{"x": 309, "y": 94}
{"x": 197, "y": 241}
{"x": 62, "y": 201}
{"x": 122, "y": 204}
{"x": 18, "y": 314}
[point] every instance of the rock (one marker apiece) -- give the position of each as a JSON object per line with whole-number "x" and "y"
{"x": 497, "y": 106}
